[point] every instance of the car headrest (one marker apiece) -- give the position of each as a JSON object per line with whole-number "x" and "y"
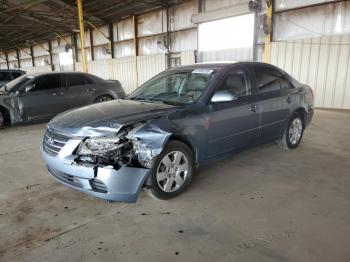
{"x": 234, "y": 81}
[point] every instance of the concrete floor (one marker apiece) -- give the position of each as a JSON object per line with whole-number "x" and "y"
{"x": 263, "y": 204}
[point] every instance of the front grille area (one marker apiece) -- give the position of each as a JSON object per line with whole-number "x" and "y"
{"x": 65, "y": 178}
{"x": 53, "y": 143}
{"x": 98, "y": 186}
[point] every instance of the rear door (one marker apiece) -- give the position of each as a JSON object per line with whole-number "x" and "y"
{"x": 234, "y": 124}
{"x": 45, "y": 99}
{"x": 80, "y": 89}
{"x": 276, "y": 97}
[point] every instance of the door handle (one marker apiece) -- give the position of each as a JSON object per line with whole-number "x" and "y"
{"x": 253, "y": 108}
{"x": 90, "y": 89}
{"x": 290, "y": 99}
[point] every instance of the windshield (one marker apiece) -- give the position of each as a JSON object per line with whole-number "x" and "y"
{"x": 178, "y": 88}
{"x": 18, "y": 82}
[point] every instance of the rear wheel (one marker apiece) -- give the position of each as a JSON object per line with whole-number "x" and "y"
{"x": 294, "y": 132}
{"x": 172, "y": 171}
{"x": 103, "y": 98}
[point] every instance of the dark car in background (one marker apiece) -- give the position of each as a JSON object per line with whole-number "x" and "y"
{"x": 7, "y": 75}
{"x": 39, "y": 97}
{"x": 177, "y": 121}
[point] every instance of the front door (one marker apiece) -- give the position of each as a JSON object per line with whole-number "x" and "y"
{"x": 233, "y": 124}
{"x": 45, "y": 99}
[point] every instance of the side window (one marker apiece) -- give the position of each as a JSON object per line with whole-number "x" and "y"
{"x": 47, "y": 82}
{"x": 236, "y": 82}
{"x": 16, "y": 74}
{"x": 269, "y": 80}
{"x": 76, "y": 80}
{"x": 89, "y": 81}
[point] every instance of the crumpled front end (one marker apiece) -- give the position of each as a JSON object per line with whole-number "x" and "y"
{"x": 108, "y": 165}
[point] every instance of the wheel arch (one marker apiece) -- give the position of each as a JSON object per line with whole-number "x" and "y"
{"x": 187, "y": 142}
{"x": 102, "y": 95}
{"x": 301, "y": 111}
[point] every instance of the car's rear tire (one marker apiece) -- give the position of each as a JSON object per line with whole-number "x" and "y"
{"x": 172, "y": 171}
{"x": 103, "y": 98}
{"x": 293, "y": 133}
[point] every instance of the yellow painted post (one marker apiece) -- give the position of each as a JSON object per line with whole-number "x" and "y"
{"x": 82, "y": 34}
{"x": 267, "y": 48}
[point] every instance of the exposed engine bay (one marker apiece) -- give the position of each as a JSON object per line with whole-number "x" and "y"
{"x": 134, "y": 146}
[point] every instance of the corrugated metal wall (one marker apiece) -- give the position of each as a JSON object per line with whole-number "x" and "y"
{"x": 322, "y": 63}
{"x": 149, "y": 66}
{"x": 238, "y": 54}
{"x": 124, "y": 69}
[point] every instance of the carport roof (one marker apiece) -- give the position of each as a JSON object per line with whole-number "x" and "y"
{"x": 21, "y": 22}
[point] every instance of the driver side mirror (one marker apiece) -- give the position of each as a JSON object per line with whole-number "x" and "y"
{"x": 223, "y": 96}
{"x": 29, "y": 87}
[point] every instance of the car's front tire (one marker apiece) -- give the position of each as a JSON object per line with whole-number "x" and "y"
{"x": 172, "y": 171}
{"x": 103, "y": 98}
{"x": 293, "y": 133}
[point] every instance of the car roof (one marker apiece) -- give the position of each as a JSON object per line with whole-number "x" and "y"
{"x": 206, "y": 65}
{"x": 12, "y": 70}
{"x": 55, "y": 73}
{"x": 216, "y": 65}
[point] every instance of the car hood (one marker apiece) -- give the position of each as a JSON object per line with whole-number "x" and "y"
{"x": 108, "y": 117}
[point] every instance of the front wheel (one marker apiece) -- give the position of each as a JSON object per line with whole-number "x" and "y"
{"x": 103, "y": 98}
{"x": 172, "y": 171}
{"x": 294, "y": 132}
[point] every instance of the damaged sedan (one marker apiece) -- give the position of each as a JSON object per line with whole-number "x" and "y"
{"x": 41, "y": 96}
{"x": 177, "y": 121}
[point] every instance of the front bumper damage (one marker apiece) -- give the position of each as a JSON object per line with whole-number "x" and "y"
{"x": 120, "y": 185}
{"x": 121, "y": 182}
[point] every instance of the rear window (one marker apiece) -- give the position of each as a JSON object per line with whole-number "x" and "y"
{"x": 270, "y": 80}
{"x": 16, "y": 74}
{"x": 5, "y": 76}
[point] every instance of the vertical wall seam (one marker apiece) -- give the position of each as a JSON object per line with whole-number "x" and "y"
{"x": 326, "y": 75}
{"x": 336, "y": 72}
{"x": 346, "y": 78}
{"x": 308, "y": 69}
{"x": 318, "y": 66}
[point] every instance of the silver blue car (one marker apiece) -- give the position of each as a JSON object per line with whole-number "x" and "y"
{"x": 181, "y": 119}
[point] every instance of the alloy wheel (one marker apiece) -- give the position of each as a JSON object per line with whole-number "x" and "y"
{"x": 172, "y": 171}
{"x": 103, "y": 99}
{"x": 295, "y": 131}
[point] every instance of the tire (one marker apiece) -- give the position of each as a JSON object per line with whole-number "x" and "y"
{"x": 293, "y": 133}
{"x": 103, "y": 98}
{"x": 2, "y": 119}
{"x": 167, "y": 179}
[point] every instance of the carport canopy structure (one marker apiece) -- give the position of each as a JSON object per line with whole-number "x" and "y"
{"x": 23, "y": 23}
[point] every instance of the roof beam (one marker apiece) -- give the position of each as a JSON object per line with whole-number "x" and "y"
{"x": 25, "y": 5}
{"x": 74, "y": 11}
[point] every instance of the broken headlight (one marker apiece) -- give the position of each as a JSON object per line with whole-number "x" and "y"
{"x": 98, "y": 145}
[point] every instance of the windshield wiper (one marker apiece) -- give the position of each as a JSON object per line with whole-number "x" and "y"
{"x": 143, "y": 99}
